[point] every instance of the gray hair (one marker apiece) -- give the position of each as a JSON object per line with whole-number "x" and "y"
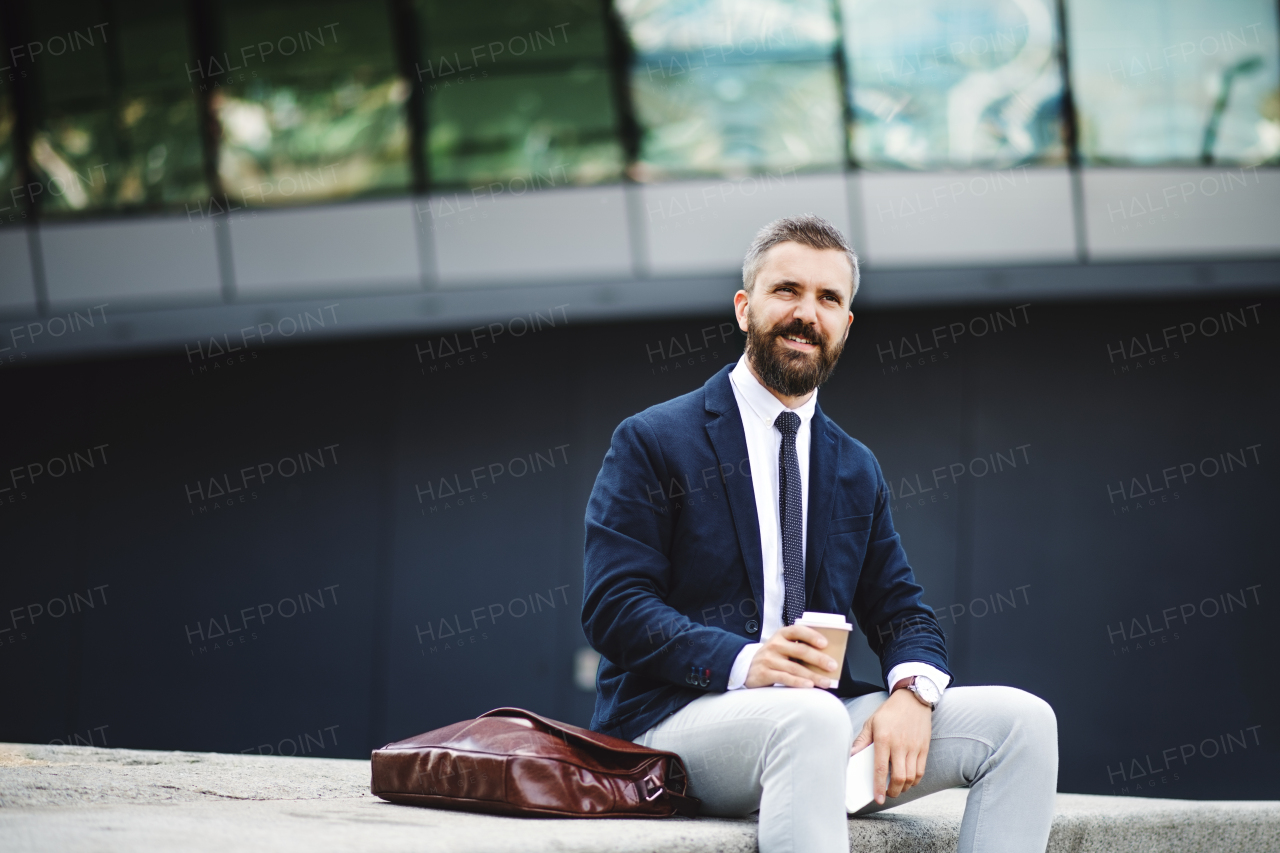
{"x": 807, "y": 230}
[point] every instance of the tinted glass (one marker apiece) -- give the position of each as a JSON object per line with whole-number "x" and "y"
{"x": 518, "y": 94}
{"x": 310, "y": 100}
{"x": 115, "y": 117}
{"x": 1176, "y": 82}
{"x": 734, "y": 88}
{"x": 954, "y": 83}
{"x": 12, "y": 206}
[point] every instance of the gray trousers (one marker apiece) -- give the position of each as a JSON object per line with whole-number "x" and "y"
{"x": 784, "y": 751}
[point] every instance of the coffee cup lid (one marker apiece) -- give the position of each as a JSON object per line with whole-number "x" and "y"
{"x": 824, "y": 620}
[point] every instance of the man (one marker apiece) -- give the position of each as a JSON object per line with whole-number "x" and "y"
{"x": 720, "y": 516}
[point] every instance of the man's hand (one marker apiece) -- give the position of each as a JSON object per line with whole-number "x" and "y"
{"x": 776, "y": 661}
{"x": 899, "y": 731}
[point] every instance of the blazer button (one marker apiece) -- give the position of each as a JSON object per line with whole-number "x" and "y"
{"x": 752, "y": 626}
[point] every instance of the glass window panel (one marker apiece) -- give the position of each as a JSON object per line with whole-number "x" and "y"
{"x": 159, "y": 110}
{"x": 954, "y": 83}
{"x": 734, "y": 88}
{"x": 510, "y": 33}
{"x": 116, "y": 120}
{"x": 1176, "y": 82}
{"x": 746, "y": 27}
{"x": 12, "y": 205}
{"x": 513, "y": 127}
{"x": 740, "y": 118}
{"x": 310, "y": 101}
{"x": 518, "y": 94}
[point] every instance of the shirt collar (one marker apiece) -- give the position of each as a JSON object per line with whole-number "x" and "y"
{"x": 760, "y": 400}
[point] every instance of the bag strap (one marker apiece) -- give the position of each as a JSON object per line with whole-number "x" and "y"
{"x": 682, "y": 803}
{"x": 649, "y": 788}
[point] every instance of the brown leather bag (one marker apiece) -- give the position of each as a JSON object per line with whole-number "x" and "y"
{"x": 514, "y": 762}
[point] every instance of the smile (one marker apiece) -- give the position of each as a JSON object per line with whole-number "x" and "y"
{"x": 798, "y": 341}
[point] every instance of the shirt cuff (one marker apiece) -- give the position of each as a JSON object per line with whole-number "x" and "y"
{"x": 741, "y": 665}
{"x": 915, "y": 667}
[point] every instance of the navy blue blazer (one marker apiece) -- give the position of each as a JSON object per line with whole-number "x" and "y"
{"x": 674, "y": 581}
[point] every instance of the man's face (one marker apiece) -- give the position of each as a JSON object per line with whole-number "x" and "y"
{"x": 797, "y": 316}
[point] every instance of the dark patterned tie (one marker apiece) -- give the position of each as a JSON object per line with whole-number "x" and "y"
{"x": 789, "y": 515}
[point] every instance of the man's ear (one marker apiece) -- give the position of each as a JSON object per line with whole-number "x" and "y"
{"x": 740, "y": 304}
{"x": 848, "y": 326}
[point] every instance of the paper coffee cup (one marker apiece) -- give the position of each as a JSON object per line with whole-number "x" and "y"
{"x": 836, "y": 629}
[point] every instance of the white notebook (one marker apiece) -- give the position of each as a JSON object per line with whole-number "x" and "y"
{"x": 859, "y": 784}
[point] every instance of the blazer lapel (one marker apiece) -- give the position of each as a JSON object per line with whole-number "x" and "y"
{"x": 824, "y": 462}
{"x": 730, "y": 442}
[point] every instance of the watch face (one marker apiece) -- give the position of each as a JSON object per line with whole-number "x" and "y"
{"x": 927, "y": 690}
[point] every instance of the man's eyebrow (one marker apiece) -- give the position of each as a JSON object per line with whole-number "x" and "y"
{"x": 822, "y": 291}
{"x": 834, "y": 291}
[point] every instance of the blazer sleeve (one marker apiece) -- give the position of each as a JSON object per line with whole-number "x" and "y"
{"x": 628, "y": 574}
{"x": 888, "y": 603}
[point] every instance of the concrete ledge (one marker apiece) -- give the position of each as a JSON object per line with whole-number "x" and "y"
{"x": 63, "y": 798}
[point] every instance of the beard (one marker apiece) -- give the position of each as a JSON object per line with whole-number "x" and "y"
{"x": 785, "y": 370}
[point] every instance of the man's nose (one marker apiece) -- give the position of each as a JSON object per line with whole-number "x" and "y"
{"x": 806, "y": 310}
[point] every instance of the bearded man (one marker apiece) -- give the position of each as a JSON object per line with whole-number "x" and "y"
{"x": 722, "y": 515}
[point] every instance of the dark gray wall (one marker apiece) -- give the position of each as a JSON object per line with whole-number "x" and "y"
{"x": 1090, "y": 566}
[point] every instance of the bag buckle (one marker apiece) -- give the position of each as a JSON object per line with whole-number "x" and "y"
{"x": 651, "y": 787}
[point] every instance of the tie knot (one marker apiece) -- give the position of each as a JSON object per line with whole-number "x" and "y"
{"x": 787, "y": 422}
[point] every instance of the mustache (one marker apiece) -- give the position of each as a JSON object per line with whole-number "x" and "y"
{"x": 802, "y": 330}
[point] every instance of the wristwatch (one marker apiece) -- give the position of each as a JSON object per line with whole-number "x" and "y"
{"x": 925, "y": 690}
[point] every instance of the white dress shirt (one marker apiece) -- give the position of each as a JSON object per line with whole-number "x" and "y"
{"x": 759, "y": 409}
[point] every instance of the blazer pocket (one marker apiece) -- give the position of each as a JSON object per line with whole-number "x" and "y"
{"x": 849, "y": 524}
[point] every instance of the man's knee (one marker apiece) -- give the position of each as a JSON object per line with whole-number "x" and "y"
{"x": 816, "y": 713}
{"x": 1028, "y": 715}
{"x": 1033, "y": 712}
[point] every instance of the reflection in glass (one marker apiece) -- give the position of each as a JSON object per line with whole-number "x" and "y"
{"x": 11, "y": 204}
{"x": 739, "y": 118}
{"x": 734, "y": 88}
{"x": 310, "y": 102}
{"x": 116, "y": 122}
{"x": 519, "y": 96}
{"x": 746, "y": 27}
{"x": 512, "y": 127}
{"x": 1162, "y": 83}
{"x": 513, "y": 33}
{"x": 946, "y": 84}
